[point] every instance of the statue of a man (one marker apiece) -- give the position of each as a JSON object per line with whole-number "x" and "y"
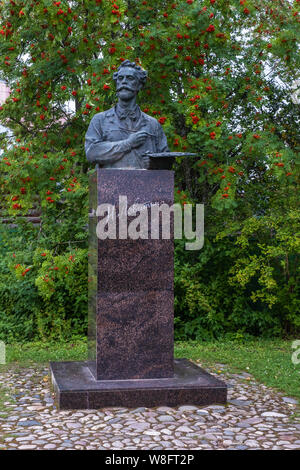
{"x": 120, "y": 137}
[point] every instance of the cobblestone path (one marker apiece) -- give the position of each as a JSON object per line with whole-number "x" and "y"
{"x": 255, "y": 417}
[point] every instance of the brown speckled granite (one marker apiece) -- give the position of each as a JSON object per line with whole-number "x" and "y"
{"x": 135, "y": 265}
{"x": 92, "y": 268}
{"x": 135, "y": 335}
{"x": 131, "y": 300}
{"x": 76, "y": 388}
{"x": 131, "y": 315}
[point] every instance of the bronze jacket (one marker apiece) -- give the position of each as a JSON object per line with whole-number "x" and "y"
{"x": 106, "y": 138}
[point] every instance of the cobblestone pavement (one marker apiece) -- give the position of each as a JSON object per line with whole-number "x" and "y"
{"x": 255, "y": 417}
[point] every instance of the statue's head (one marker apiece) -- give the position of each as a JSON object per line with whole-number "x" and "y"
{"x": 130, "y": 79}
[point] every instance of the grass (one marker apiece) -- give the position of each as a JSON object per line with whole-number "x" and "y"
{"x": 269, "y": 361}
{"x": 42, "y": 352}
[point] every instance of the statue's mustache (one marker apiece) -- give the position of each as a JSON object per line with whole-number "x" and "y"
{"x": 125, "y": 88}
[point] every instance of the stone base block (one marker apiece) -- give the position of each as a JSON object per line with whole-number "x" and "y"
{"x": 75, "y": 387}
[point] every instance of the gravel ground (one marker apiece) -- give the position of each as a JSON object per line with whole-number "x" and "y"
{"x": 256, "y": 417}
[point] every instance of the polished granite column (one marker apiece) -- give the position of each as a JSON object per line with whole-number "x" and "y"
{"x": 131, "y": 282}
{"x": 130, "y": 339}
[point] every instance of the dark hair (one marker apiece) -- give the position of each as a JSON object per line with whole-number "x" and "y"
{"x": 141, "y": 74}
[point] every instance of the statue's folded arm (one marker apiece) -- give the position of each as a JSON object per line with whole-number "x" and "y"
{"x": 100, "y": 151}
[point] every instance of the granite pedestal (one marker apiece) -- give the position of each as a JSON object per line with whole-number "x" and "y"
{"x": 131, "y": 281}
{"x": 76, "y": 388}
{"x": 131, "y": 312}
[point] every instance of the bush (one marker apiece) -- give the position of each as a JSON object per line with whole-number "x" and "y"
{"x": 42, "y": 295}
{"x": 245, "y": 280}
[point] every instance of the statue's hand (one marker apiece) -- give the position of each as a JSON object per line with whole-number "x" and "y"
{"x": 146, "y": 160}
{"x": 136, "y": 140}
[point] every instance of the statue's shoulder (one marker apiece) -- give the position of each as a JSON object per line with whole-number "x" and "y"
{"x": 151, "y": 120}
{"x": 109, "y": 113}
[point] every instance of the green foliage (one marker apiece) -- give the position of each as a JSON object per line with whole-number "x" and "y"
{"x": 19, "y": 306}
{"x": 42, "y": 295}
{"x": 208, "y": 306}
{"x": 222, "y": 73}
{"x": 245, "y": 280}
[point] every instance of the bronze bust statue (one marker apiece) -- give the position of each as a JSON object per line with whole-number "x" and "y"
{"x": 124, "y": 136}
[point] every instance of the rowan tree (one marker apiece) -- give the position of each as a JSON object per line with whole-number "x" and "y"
{"x": 222, "y": 75}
